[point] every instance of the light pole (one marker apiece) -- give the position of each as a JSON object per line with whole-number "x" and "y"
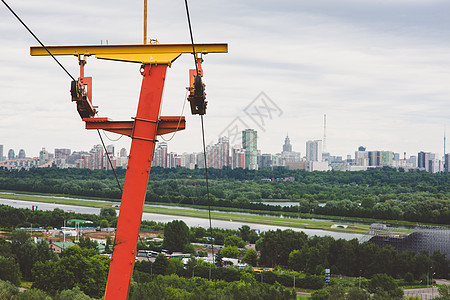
{"x": 360, "y": 279}
{"x": 432, "y": 286}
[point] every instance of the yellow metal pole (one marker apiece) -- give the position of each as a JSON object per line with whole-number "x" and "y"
{"x": 145, "y": 22}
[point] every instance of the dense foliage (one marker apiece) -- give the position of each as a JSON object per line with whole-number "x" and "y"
{"x": 175, "y": 287}
{"x": 384, "y": 194}
{"x": 314, "y": 254}
{"x": 14, "y": 217}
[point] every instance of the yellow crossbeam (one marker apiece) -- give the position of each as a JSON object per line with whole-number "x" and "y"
{"x": 150, "y": 53}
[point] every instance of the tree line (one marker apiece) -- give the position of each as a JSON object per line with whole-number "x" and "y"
{"x": 383, "y": 194}
{"x": 294, "y": 257}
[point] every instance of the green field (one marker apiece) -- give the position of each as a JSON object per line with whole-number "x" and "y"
{"x": 225, "y": 216}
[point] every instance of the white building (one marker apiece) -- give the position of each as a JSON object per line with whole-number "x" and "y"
{"x": 314, "y": 150}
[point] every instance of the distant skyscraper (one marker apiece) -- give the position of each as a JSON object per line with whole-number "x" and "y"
{"x": 423, "y": 160}
{"x": 123, "y": 152}
{"x": 97, "y": 157}
{"x": 314, "y": 150}
{"x": 61, "y": 157}
{"x": 110, "y": 149}
{"x": 447, "y": 162}
{"x": 249, "y": 143}
{"x": 287, "y": 147}
{"x": 361, "y": 157}
{"x": 265, "y": 161}
{"x": 160, "y": 156}
{"x": 1, "y": 152}
{"x": 287, "y": 155}
{"x": 11, "y": 154}
{"x": 237, "y": 158}
{"x": 21, "y": 154}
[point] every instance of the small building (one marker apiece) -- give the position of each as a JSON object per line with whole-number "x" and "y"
{"x": 59, "y": 247}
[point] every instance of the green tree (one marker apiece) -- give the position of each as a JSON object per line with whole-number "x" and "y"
{"x": 104, "y": 223}
{"x": 233, "y": 240}
{"x": 5, "y": 248}
{"x": 247, "y": 234}
{"x": 87, "y": 243}
{"x": 251, "y": 257}
{"x": 297, "y": 260}
{"x": 218, "y": 260}
{"x": 444, "y": 292}
{"x": 355, "y": 293}
{"x": 322, "y": 294}
{"x": 381, "y": 283}
{"x": 25, "y": 251}
{"x": 109, "y": 245}
{"x": 230, "y": 251}
{"x": 9, "y": 270}
{"x": 337, "y": 292}
{"x": 107, "y": 212}
{"x": 33, "y": 294}
{"x": 77, "y": 267}
{"x": 44, "y": 252}
{"x": 160, "y": 264}
{"x": 57, "y": 217}
{"x": 74, "y": 294}
{"x": 7, "y": 290}
{"x": 175, "y": 266}
{"x": 176, "y": 235}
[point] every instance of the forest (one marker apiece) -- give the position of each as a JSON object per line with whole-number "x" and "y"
{"x": 386, "y": 193}
{"x": 290, "y": 258}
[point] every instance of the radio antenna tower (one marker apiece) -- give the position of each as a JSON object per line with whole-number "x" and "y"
{"x": 445, "y": 158}
{"x": 324, "y": 149}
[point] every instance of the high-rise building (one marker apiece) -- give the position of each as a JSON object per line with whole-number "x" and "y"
{"x": 287, "y": 147}
{"x": 160, "y": 155}
{"x": 61, "y": 157}
{"x": 237, "y": 158}
{"x": 123, "y": 152}
{"x": 22, "y": 154}
{"x": 447, "y": 162}
{"x": 1, "y": 152}
{"x": 434, "y": 165}
{"x": 423, "y": 159}
{"x": 217, "y": 156}
{"x": 122, "y": 160}
{"x": 249, "y": 144}
{"x": 11, "y": 154}
{"x": 173, "y": 160}
{"x": 189, "y": 160}
{"x": 314, "y": 150}
{"x": 361, "y": 157}
{"x": 288, "y": 155}
{"x": 97, "y": 157}
{"x": 265, "y": 161}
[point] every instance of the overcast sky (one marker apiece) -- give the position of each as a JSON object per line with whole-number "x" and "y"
{"x": 379, "y": 70}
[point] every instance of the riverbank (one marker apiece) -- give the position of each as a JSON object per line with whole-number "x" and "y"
{"x": 224, "y": 216}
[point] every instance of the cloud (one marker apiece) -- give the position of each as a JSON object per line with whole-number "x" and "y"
{"x": 379, "y": 70}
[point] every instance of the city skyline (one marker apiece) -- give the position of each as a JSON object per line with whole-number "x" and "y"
{"x": 285, "y": 143}
{"x": 379, "y": 71}
{"x": 217, "y": 156}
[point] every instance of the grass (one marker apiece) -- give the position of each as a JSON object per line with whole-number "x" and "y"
{"x": 225, "y": 216}
{"x": 273, "y": 218}
{"x": 26, "y": 284}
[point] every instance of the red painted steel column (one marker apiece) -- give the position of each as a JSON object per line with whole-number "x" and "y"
{"x": 136, "y": 180}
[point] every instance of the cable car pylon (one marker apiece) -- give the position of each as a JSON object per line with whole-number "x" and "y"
{"x": 143, "y": 130}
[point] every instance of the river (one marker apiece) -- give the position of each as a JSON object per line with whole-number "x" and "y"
{"x": 190, "y": 221}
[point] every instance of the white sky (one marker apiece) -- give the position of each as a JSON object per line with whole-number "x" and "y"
{"x": 379, "y": 70}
